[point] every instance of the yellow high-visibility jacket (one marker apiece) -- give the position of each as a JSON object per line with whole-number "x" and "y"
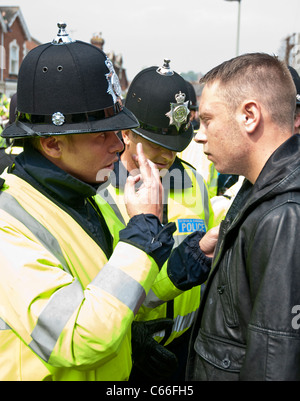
{"x": 194, "y": 155}
{"x": 212, "y": 181}
{"x": 188, "y": 205}
{"x": 65, "y": 310}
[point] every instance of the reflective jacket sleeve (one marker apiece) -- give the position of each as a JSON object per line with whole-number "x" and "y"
{"x": 63, "y": 323}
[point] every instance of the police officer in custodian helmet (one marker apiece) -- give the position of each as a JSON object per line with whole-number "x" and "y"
{"x": 72, "y": 277}
{"x": 160, "y": 99}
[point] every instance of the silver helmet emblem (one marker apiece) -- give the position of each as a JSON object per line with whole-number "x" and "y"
{"x": 58, "y": 118}
{"x": 179, "y": 111}
{"x": 114, "y": 87}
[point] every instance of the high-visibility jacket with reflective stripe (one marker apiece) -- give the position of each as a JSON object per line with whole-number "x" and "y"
{"x": 65, "y": 310}
{"x": 14, "y": 150}
{"x": 188, "y": 205}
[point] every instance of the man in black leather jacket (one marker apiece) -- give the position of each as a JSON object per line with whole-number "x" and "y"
{"x": 248, "y": 327}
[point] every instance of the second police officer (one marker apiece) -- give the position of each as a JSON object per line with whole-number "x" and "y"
{"x": 160, "y": 99}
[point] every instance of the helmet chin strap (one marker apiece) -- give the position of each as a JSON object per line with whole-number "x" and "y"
{"x": 25, "y": 128}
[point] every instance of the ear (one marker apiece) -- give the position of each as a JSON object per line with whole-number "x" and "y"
{"x": 51, "y": 146}
{"x": 251, "y": 115}
{"x": 125, "y": 136}
{"x": 297, "y": 124}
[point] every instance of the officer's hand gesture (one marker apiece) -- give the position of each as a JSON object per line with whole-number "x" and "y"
{"x": 148, "y": 197}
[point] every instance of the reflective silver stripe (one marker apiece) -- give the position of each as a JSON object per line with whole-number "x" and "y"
{"x": 54, "y": 318}
{"x": 63, "y": 302}
{"x": 205, "y": 196}
{"x": 180, "y": 323}
{"x": 3, "y": 325}
{"x": 152, "y": 301}
{"x": 179, "y": 238}
{"x": 183, "y": 322}
{"x": 121, "y": 286}
{"x": 10, "y": 205}
{"x": 105, "y": 194}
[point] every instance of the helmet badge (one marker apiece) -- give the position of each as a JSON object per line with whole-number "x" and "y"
{"x": 58, "y": 118}
{"x": 114, "y": 87}
{"x": 179, "y": 111}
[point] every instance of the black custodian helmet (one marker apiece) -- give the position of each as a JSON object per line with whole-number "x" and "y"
{"x": 159, "y": 98}
{"x": 68, "y": 87}
{"x": 296, "y": 80}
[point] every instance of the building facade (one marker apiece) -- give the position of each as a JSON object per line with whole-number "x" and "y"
{"x": 15, "y": 42}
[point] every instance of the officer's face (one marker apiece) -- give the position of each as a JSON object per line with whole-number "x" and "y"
{"x": 88, "y": 157}
{"x": 163, "y": 158}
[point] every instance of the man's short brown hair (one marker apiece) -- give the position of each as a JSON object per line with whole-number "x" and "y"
{"x": 259, "y": 76}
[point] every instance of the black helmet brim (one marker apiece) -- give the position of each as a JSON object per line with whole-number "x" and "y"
{"x": 125, "y": 119}
{"x": 176, "y": 142}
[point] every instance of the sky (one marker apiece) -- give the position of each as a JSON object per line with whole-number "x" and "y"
{"x": 196, "y": 35}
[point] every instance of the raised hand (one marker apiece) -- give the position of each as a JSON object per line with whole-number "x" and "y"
{"x": 148, "y": 197}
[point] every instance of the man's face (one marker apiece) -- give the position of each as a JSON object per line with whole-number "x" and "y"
{"x": 90, "y": 157}
{"x": 220, "y": 132}
{"x": 162, "y": 157}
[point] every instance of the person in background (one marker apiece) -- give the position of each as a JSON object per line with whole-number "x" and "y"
{"x": 296, "y": 80}
{"x": 248, "y": 323}
{"x": 13, "y": 148}
{"x": 194, "y": 112}
{"x": 160, "y": 99}
{"x": 5, "y": 160}
{"x": 4, "y": 111}
{"x": 72, "y": 277}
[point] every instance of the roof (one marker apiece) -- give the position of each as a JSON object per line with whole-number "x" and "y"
{"x": 8, "y": 15}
